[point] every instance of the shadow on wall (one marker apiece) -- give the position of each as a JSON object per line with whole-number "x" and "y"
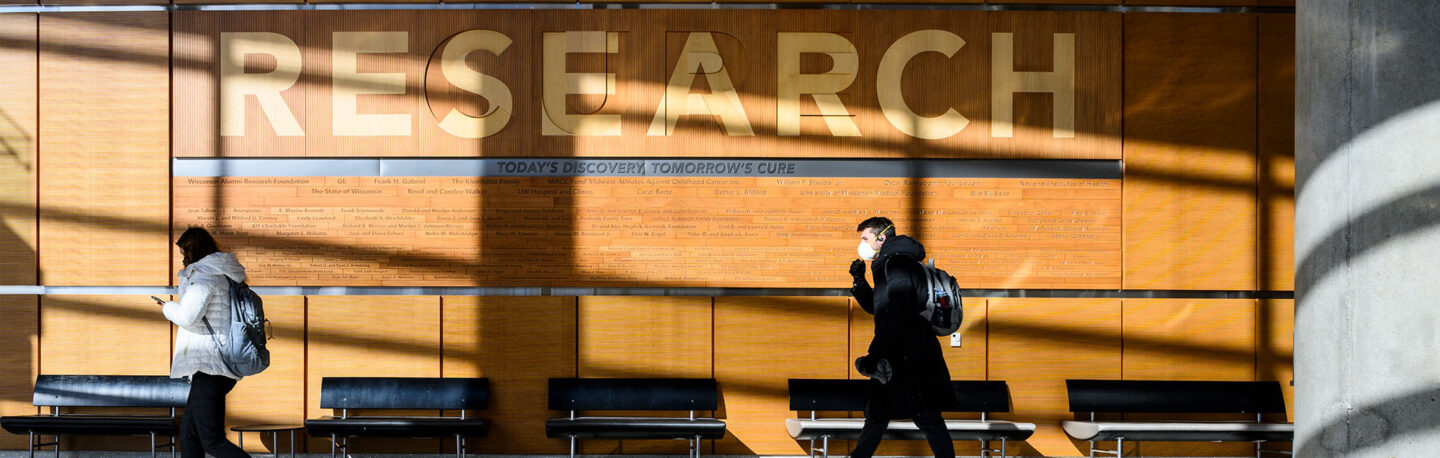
{"x": 1374, "y": 425}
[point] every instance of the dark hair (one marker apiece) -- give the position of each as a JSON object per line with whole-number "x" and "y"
{"x": 196, "y": 243}
{"x": 878, "y": 223}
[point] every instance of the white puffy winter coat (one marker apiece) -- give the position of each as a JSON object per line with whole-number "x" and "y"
{"x": 203, "y": 293}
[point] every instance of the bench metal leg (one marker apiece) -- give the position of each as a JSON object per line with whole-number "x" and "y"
{"x": 1118, "y": 452}
{"x": 1002, "y": 446}
{"x": 825, "y": 446}
{"x": 984, "y": 448}
{"x": 572, "y": 446}
{"x": 341, "y": 443}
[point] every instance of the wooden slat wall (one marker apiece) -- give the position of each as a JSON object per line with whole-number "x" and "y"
{"x": 1097, "y": 82}
{"x": 197, "y": 61}
{"x": 104, "y": 2}
{"x": 20, "y": 356}
{"x": 371, "y": 336}
{"x": 1055, "y": 2}
{"x": 519, "y": 343}
{"x": 967, "y": 362}
{"x": 761, "y": 343}
{"x": 278, "y": 394}
{"x": 1035, "y": 344}
{"x": 1277, "y": 152}
{"x": 516, "y": 66}
{"x": 19, "y": 38}
{"x": 1193, "y": 2}
{"x": 636, "y": 336}
{"x": 104, "y": 335}
{"x": 1190, "y": 185}
{"x": 80, "y": 335}
{"x": 321, "y": 82}
{"x": 104, "y": 148}
{"x": 1178, "y": 339}
{"x": 1275, "y": 347}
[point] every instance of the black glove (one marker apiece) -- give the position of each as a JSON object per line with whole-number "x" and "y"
{"x": 873, "y": 367}
{"x": 857, "y": 269}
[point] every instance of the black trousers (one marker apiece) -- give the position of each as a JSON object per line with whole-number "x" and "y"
{"x": 877, "y": 420}
{"x": 202, "y": 428}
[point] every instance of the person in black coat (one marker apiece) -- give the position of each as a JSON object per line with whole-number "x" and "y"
{"x": 909, "y": 377}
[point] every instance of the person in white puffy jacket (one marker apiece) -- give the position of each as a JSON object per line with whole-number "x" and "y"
{"x": 204, "y": 297}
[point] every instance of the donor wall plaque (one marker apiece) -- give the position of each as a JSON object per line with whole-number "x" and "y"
{"x": 662, "y": 223}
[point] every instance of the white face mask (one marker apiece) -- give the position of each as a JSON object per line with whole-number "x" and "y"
{"x": 865, "y": 251}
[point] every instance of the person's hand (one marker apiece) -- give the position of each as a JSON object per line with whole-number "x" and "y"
{"x": 857, "y": 269}
{"x": 865, "y": 365}
{"x": 873, "y": 367}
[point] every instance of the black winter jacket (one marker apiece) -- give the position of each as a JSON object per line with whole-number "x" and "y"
{"x": 922, "y": 379}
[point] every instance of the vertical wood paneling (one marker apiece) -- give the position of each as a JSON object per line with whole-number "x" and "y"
{"x": 18, "y": 137}
{"x": 79, "y": 334}
{"x": 928, "y": 82}
{"x": 20, "y": 356}
{"x": 1097, "y": 97}
{"x": 371, "y": 336}
{"x": 104, "y": 2}
{"x": 329, "y": 135}
{"x": 1189, "y": 339}
{"x": 1190, "y": 185}
{"x": 512, "y": 66}
{"x": 967, "y": 362}
{"x": 637, "y": 336}
{"x": 1277, "y": 152}
{"x": 1035, "y": 344}
{"x": 1056, "y": 2}
{"x": 1275, "y": 347}
{"x": 758, "y": 349}
{"x": 1194, "y": 2}
{"x": 104, "y": 148}
{"x": 1178, "y": 339}
{"x": 197, "y": 53}
{"x": 519, "y": 343}
{"x": 278, "y": 394}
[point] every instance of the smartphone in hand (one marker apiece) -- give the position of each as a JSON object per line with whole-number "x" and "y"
{"x": 157, "y": 300}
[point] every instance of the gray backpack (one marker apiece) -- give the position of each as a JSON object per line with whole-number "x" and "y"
{"x": 942, "y": 305}
{"x": 245, "y": 354}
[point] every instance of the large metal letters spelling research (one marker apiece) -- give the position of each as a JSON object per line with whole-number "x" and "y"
{"x": 817, "y": 84}
{"x": 700, "y": 59}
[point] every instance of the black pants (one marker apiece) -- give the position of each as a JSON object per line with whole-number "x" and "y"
{"x": 877, "y": 420}
{"x": 202, "y": 428}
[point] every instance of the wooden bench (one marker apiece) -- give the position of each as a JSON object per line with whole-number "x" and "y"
{"x": 388, "y": 393}
{"x": 1176, "y": 397}
{"x": 60, "y": 391}
{"x": 577, "y": 394}
{"x": 984, "y": 397}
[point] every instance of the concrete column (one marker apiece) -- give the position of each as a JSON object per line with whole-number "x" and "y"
{"x": 1367, "y": 228}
